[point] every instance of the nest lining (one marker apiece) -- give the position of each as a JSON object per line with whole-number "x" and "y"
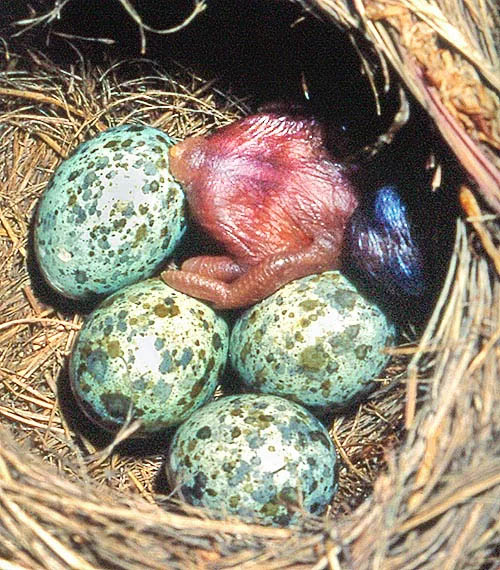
{"x": 40, "y": 334}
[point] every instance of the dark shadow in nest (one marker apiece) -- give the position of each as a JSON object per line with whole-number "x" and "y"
{"x": 83, "y": 426}
{"x": 261, "y": 50}
{"x": 74, "y": 416}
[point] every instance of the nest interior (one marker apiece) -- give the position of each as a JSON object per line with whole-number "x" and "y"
{"x": 420, "y": 465}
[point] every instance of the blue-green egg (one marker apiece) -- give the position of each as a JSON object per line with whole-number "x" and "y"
{"x": 147, "y": 353}
{"x": 111, "y": 214}
{"x": 256, "y": 456}
{"x": 317, "y": 341}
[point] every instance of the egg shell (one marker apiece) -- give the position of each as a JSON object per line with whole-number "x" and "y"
{"x": 111, "y": 214}
{"x": 317, "y": 341}
{"x": 149, "y": 349}
{"x": 257, "y": 456}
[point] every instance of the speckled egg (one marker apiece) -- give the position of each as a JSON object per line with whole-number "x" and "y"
{"x": 256, "y": 456}
{"x": 150, "y": 350}
{"x": 317, "y": 341}
{"x": 111, "y": 214}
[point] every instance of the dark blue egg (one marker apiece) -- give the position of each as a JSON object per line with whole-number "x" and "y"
{"x": 382, "y": 247}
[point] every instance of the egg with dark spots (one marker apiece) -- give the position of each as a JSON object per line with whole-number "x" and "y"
{"x": 111, "y": 214}
{"x": 147, "y": 352}
{"x": 317, "y": 341}
{"x": 256, "y": 456}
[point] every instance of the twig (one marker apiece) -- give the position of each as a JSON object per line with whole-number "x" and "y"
{"x": 199, "y": 7}
{"x": 471, "y": 207}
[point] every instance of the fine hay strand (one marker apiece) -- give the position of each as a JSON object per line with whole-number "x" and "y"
{"x": 420, "y": 459}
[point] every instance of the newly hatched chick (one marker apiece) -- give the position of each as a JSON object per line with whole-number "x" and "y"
{"x": 267, "y": 189}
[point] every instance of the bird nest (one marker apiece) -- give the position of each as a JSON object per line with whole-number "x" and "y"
{"x": 420, "y": 462}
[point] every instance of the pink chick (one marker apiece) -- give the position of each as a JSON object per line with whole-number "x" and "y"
{"x": 267, "y": 190}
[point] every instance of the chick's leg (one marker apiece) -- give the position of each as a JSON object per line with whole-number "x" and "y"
{"x": 258, "y": 281}
{"x": 220, "y": 267}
